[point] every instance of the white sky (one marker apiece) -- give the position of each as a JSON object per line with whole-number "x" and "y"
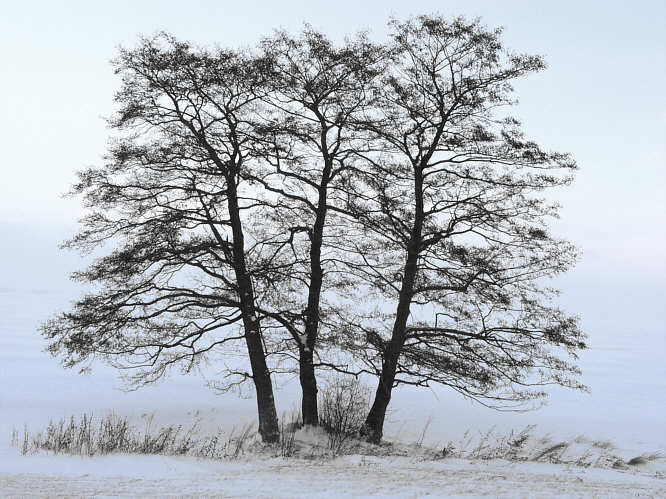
{"x": 602, "y": 99}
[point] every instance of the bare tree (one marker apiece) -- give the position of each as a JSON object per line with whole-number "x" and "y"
{"x": 451, "y": 201}
{"x": 310, "y": 148}
{"x": 254, "y": 199}
{"x": 179, "y": 284}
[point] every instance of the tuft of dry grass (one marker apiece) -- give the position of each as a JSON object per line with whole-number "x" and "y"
{"x": 491, "y": 445}
{"x": 343, "y": 405}
{"x": 88, "y": 436}
{"x": 645, "y": 458}
{"x": 287, "y": 443}
{"x": 603, "y": 444}
{"x": 553, "y": 452}
{"x": 419, "y": 442}
{"x": 525, "y": 446}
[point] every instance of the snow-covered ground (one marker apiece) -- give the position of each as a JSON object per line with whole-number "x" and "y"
{"x": 348, "y": 476}
{"x": 392, "y": 470}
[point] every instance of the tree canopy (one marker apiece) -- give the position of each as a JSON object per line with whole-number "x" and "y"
{"x": 371, "y": 208}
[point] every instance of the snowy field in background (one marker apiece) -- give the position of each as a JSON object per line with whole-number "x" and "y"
{"x": 626, "y": 404}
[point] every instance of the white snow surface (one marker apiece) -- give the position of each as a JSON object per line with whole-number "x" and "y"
{"x": 348, "y": 476}
{"x": 410, "y": 472}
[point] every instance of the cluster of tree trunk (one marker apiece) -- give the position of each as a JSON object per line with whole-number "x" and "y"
{"x": 368, "y": 208}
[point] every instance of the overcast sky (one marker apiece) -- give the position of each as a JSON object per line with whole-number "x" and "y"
{"x": 602, "y": 99}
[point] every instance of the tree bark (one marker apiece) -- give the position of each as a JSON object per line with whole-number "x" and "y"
{"x": 309, "y": 409}
{"x": 306, "y": 368}
{"x": 268, "y": 422}
{"x": 373, "y": 428}
{"x": 307, "y": 371}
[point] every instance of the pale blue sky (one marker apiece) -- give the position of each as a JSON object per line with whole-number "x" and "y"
{"x": 602, "y": 99}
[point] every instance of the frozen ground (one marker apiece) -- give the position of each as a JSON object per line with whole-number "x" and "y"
{"x": 349, "y": 476}
{"x": 408, "y": 471}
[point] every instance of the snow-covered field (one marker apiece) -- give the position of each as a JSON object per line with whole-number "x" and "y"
{"x": 348, "y": 476}
{"x": 583, "y": 468}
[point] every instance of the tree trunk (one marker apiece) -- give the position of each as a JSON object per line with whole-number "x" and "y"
{"x": 309, "y": 388}
{"x": 306, "y": 368}
{"x": 373, "y": 428}
{"x": 268, "y": 422}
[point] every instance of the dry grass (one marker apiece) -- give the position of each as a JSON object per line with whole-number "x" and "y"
{"x": 645, "y": 458}
{"x": 287, "y": 443}
{"x": 553, "y": 453}
{"x": 341, "y": 416}
{"x": 491, "y": 445}
{"x": 525, "y": 446}
{"x": 88, "y": 436}
{"x": 343, "y": 405}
